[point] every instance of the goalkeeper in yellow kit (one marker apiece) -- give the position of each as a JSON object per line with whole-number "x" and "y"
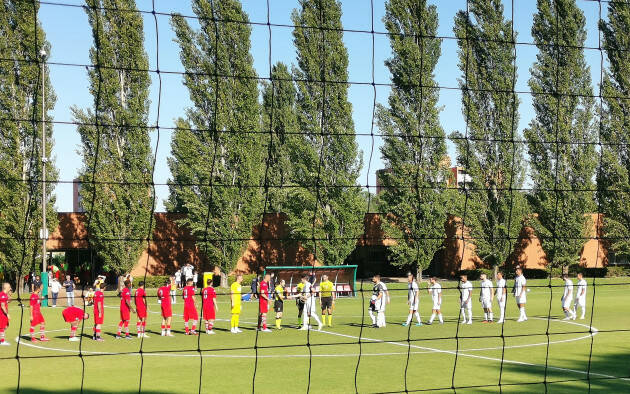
{"x": 327, "y": 298}
{"x": 235, "y": 296}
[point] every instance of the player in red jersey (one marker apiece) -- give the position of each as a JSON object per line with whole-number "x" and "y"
{"x": 125, "y": 310}
{"x": 140, "y": 298}
{"x": 209, "y": 306}
{"x": 5, "y": 318}
{"x": 99, "y": 314}
{"x": 263, "y": 303}
{"x": 74, "y": 315}
{"x": 164, "y": 298}
{"x": 36, "y": 316}
{"x": 190, "y": 309}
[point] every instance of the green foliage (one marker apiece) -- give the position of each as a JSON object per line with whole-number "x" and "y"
{"x": 116, "y": 173}
{"x": 247, "y": 280}
{"x": 414, "y": 146}
{"x": 561, "y": 138}
{"x": 326, "y": 204}
{"x": 150, "y": 282}
{"x": 613, "y": 178}
{"x": 495, "y": 207}
{"x": 21, "y": 38}
{"x": 216, "y": 148}
{"x": 280, "y": 121}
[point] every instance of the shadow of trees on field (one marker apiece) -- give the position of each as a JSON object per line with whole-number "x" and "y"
{"x": 608, "y": 373}
{"x": 30, "y": 390}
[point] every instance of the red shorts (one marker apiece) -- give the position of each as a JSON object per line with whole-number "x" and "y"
{"x": 4, "y": 322}
{"x": 142, "y": 313}
{"x": 190, "y": 314}
{"x": 124, "y": 315}
{"x": 37, "y": 319}
{"x": 263, "y": 306}
{"x": 208, "y": 313}
{"x": 99, "y": 319}
{"x": 167, "y": 311}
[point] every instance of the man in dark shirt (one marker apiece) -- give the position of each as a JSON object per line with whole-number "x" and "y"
{"x": 68, "y": 284}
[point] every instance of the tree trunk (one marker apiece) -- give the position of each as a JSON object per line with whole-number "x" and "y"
{"x": 419, "y": 273}
{"x": 495, "y": 271}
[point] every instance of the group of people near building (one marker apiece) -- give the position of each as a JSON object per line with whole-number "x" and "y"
{"x": 273, "y": 294}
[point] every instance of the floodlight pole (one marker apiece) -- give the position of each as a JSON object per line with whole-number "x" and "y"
{"x": 44, "y": 233}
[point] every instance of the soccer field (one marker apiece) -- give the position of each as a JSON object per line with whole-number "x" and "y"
{"x": 392, "y": 359}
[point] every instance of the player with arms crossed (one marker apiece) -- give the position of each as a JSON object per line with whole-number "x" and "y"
{"x": 235, "y": 300}
{"x": 520, "y": 293}
{"x": 140, "y": 299}
{"x": 308, "y": 296}
{"x": 99, "y": 313}
{"x": 501, "y": 293}
{"x": 580, "y": 298}
{"x": 125, "y": 310}
{"x": 5, "y": 318}
{"x": 435, "y": 289}
{"x": 465, "y": 290}
{"x": 413, "y": 300}
{"x": 567, "y": 298}
{"x": 278, "y": 303}
{"x": 36, "y": 316}
{"x": 164, "y": 298}
{"x": 209, "y": 306}
{"x": 486, "y": 297}
{"x": 327, "y": 299}
{"x": 378, "y": 302}
{"x": 190, "y": 309}
{"x": 263, "y": 303}
{"x": 74, "y": 315}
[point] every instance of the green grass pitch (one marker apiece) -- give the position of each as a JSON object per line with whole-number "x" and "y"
{"x": 225, "y": 362}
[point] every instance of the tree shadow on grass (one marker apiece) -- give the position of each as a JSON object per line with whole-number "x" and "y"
{"x": 608, "y": 373}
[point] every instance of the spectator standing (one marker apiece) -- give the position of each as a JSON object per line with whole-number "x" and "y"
{"x": 68, "y": 284}
{"x": 254, "y": 287}
{"x": 36, "y": 283}
{"x": 178, "y": 278}
{"x": 173, "y": 291}
{"x": 55, "y": 286}
{"x": 188, "y": 272}
{"x": 195, "y": 278}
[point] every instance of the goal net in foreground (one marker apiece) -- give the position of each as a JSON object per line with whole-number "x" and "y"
{"x": 481, "y": 142}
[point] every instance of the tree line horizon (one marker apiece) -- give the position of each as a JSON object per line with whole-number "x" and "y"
{"x": 247, "y": 147}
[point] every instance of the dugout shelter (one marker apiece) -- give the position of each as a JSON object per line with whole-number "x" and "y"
{"x": 344, "y": 277}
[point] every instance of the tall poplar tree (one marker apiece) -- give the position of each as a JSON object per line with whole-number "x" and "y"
{"x": 280, "y": 122}
{"x": 561, "y": 137}
{"x": 21, "y": 40}
{"x": 613, "y": 181}
{"x": 414, "y": 195}
{"x": 218, "y": 159}
{"x": 117, "y": 158}
{"x": 495, "y": 206}
{"x": 327, "y": 205}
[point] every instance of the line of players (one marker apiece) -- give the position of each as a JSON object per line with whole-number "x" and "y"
{"x": 487, "y": 295}
{"x": 306, "y": 299}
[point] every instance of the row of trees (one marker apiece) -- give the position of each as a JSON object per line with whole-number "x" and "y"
{"x": 289, "y": 145}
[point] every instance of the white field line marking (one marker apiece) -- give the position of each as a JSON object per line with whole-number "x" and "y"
{"x": 461, "y": 353}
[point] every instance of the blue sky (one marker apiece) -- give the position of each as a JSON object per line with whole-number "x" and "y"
{"x": 68, "y": 32}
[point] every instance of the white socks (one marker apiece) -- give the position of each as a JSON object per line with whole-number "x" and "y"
{"x": 417, "y": 315}
{"x": 372, "y": 317}
{"x": 490, "y": 316}
{"x": 523, "y": 315}
{"x": 380, "y": 319}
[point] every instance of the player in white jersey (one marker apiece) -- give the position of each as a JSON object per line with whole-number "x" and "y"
{"x": 520, "y": 293}
{"x": 378, "y": 302}
{"x": 465, "y": 290}
{"x": 310, "y": 304}
{"x": 486, "y": 297}
{"x": 567, "y": 297}
{"x": 501, "y": 295}
{"x": 435, "y": 289}
{"x": 413, "y": 299}
{"x": 580, "y": 297}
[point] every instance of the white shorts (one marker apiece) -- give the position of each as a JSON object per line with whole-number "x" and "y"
{"x": 486, "y": 303}
{"x": 436, "y": 305}
{"x": 522, "y": 299}
{"x": 380, "y": 305}
{"x": 466, "y": 305}
{"x": 566, "y": 303}
{"x": 501, "y": 302}
{"x": 580, "y": 302}
{"x": 413, "y": 306}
